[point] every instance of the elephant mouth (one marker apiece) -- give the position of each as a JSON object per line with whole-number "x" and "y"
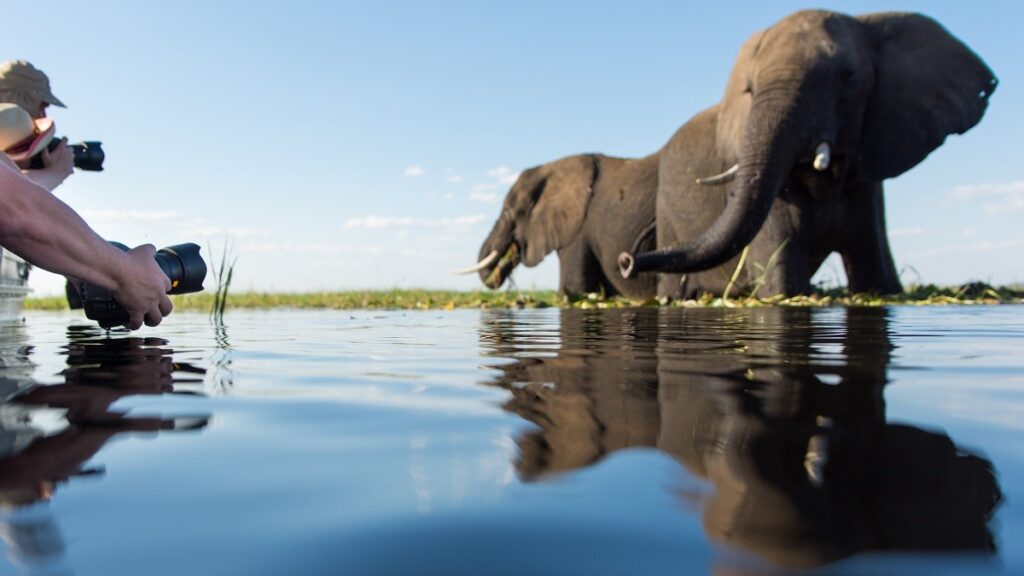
{"x": 805, "y": 168}
{"x": 497, "y": 274}
{"x": 811, "y": 160}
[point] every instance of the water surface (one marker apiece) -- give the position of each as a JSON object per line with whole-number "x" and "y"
{"x": 648, "y": 441}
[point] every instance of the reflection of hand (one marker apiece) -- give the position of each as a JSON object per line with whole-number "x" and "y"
{"x": 52, "y": 459}
{"x": 88, "y": 404}
{"x": 142, "y": 288}
{"x": 135, "y": 368}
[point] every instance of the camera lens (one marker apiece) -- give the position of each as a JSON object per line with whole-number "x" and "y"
{"x": 88, "y": 155}
{"x": 184, "y": 266}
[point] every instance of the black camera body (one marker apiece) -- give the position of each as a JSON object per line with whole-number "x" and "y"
{"x": 181, "y": 263}
{"x": 88, "y": 155}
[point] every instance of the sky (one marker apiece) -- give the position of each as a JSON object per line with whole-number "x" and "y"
{"x": 348, "y": 145}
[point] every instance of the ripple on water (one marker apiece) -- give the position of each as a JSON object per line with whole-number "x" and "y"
{"x": 516, "y": 441}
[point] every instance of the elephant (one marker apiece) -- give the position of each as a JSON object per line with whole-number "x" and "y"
{"x": 818, "y": 110}
{"x": 588, "y": 208}
{"x": 804, "y": 466}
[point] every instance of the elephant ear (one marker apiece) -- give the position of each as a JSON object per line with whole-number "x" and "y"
{"x": 928, "y": 85}
{"x": 561, "y": 203}
{"x": 735, "y": 107}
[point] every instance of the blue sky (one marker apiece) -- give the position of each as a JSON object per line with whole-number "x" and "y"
{"x": 369, "y": 144}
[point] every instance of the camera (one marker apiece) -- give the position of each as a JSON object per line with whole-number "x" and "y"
{"x": 88, "y": 155}
{"x": 181, "y": 263}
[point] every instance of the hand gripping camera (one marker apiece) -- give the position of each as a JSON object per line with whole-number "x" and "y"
{"x": 181, "y": 263}
{"x": 88, "y": 155}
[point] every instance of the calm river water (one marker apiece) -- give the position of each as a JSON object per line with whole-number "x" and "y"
{"x": 647, "y": 441}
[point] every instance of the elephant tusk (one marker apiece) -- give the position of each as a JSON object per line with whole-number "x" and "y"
{"x": 822, "y": 157}
{"x": 720, "y": 178}
{"x": 479, "y": 265}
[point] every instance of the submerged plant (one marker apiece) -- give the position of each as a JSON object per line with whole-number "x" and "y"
{"x": 766, "y": 268}
{"x": 735, "y": 274}
{"x": 222, "y": 274}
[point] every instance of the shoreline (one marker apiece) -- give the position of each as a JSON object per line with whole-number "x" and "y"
{"x": 969, "y": 294}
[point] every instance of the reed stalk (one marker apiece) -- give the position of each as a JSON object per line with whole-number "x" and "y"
{"x": 223, "y": 272}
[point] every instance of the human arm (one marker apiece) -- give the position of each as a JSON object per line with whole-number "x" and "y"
{"x": 43, "y": 230}
{"x": 57, "y": 166}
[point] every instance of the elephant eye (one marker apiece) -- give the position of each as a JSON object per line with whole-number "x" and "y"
{"x": 749, "y": 89}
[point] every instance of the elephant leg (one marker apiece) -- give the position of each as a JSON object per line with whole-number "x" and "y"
{"x": 866, "y": 254}
{"x": 778, "y": 261}
{"x": 788, "y": 273}
{"x": 579, "y": 271}
{"x": 674, "y": 286}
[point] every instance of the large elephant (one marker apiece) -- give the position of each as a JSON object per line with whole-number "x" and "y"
{"x": 819, "y": 109}
{"x": 588, "y": 208}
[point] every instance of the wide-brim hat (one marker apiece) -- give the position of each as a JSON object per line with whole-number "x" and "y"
{"x": 21, "y": 137}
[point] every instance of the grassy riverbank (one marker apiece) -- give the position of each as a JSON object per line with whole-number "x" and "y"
{"x": 975, "y": 293}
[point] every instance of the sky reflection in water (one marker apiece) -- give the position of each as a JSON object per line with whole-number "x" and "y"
{"x": 751, "y": 441}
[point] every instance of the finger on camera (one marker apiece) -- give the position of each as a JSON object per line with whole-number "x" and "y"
{"x": 134, "y": 322}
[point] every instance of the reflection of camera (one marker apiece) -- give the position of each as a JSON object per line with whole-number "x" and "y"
{"x": 181, "y": 263}
{"x": 88, "y": 155}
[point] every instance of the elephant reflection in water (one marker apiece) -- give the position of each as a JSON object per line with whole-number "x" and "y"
{"x": 605, "y": 394}
{"x": 35, "y": 456}
{"x": 804, "y": 467}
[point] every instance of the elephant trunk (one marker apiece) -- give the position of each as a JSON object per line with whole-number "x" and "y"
{"x": 768, "y": 152}
{"x": 499, "y": 254}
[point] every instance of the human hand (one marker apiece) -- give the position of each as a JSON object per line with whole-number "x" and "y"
{"x": 61, "y": 159}
{"x": 142, "y": 288}
{"x": 58, "y": 164}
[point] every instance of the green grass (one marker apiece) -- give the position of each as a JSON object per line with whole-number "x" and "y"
{"x": 975, "y": 293}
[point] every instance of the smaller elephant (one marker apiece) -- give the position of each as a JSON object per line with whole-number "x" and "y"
{"x": 589, "y": 208}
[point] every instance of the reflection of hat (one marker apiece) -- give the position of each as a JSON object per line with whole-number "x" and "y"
{"x": 20, "y": 136}
{"x": 20, "y": 76}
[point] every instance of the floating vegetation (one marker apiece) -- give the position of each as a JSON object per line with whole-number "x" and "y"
{"x": 926, "y": 295}
{"x": 381, "y": 299}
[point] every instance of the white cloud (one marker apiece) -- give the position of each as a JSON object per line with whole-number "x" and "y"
{"x": 503, "y": 174}
{"x": 455, "y": 178}
{"x": 486, "y": 193}
{"x": 197, "y": 228}
{"x": 117, "y": 216}
{"x": 973, "y": 248}
{"x": 388, "y": 222}
{"x": 314, "y": 248}
{"x": 994, "y": 198}
{"x": 220, "y": 231}
{"x": 992, "y": 246}
{"x": 485, "y": 197}
{"x": 906, "y": 232}
{"x": 415, "y": 170}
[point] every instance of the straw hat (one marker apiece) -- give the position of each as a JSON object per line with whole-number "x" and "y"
{"x": 21, "y": 137}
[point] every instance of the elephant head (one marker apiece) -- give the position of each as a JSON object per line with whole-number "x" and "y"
{"x": 543, "y": 211}
{"x": 840, "y": 97}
